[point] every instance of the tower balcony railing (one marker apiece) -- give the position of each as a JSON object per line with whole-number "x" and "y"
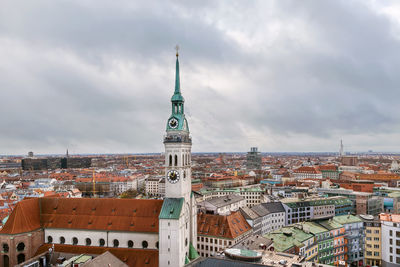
{"x": 177, "y": 139}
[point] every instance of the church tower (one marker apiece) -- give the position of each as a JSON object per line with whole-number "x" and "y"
{"x": 178, "y": 216}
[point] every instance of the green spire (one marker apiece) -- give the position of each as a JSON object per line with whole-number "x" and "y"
{"x": 192, "y": 252}
{"x": 177, "y": 93}
{"x": 187, "y": 261}
{"x": 177, "y": 80}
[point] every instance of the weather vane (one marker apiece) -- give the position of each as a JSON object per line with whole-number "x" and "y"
{"x": 177, "y": 49}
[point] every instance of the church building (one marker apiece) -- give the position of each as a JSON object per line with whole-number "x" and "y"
{"x": 139, "y": 232}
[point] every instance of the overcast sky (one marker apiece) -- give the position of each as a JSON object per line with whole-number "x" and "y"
{"x": 97, "y": 76}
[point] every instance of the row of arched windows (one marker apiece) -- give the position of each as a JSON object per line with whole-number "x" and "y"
{"x": 178, "y": 108}
{"x": 20, "y": 247}
{"x": 102, "y": 242}
{"x": 173, "y": 161}
{"x": 20, "y": 256}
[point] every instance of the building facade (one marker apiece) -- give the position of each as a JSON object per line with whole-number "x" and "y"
{"x": 390, "y": 233}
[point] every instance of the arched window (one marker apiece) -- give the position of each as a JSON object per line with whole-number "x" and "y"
{"x": 116, "y": 243}
{"x": 6, "y": 261}
{"x": 62, "y": 240}
{"x": 102, "y": 242}
{"x": 145, "y": 244}
{"x": 21, "y": 258}
{"x": 88, "y": 241}
{"x": 183, "y": 159}
{"x": 6, "y": 248}
{"x": 49, "y": 239}
{"x": 176, "y": 160}
{"x": 130, "y": 244}
{"x": 21, "y": 247}
{"x": 74, "y": 241}
{"x": 170, "y": 160}
{"x": 157, "y": 244}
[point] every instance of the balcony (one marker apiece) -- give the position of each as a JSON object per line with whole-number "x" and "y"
{"x": 177, "y": 139}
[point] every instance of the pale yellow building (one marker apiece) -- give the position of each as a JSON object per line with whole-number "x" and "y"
{"x": 373, "y": 240}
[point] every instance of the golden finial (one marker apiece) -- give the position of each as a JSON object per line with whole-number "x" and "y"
{"x": 177, "y": 49}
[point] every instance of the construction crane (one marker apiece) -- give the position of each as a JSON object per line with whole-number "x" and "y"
{"x": 94, "y": 183}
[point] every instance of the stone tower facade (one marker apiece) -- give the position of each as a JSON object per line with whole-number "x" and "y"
{"x": 178, "y": 217}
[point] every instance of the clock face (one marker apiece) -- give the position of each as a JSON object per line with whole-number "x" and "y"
{"x": 173, "y": 176}
{"x": 173, "y": 123}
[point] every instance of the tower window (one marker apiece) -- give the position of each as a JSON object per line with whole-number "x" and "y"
{"x": 49, "y": 239}
{"x": 116, "y": 243}
{"x": 183, "y": 159}
{"x": 20, "y": 258}
{"x": 62, "y": 240}
{"x": 170, "y": 160}
{"x": 88, "y": 241}
{"x": 157, "y": 244}
{"x": 74, "y": 241}
{"x": 102, "y": 242}
{"x": 21, "y": 246}
{"x": 176, "y": 160}
{"x": 130, "y": 244}
{"x": 6, "y": 248}
{"x": 145, "y": 244}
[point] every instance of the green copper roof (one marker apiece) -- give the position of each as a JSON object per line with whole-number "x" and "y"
{"x": 288, "y": 237}
{"x": 192, "y": 252}
{"x": 313, "y": 228}
{"x": 344, "y": 219}
{"x": 330, "y": 224}
{"x": 187, "y": 261}
{"x": 171, "y": 208}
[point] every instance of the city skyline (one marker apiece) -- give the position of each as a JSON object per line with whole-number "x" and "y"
{"x": 289, "y": 77}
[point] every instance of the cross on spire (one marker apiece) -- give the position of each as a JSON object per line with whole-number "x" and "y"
{"x": 177, "y": 49}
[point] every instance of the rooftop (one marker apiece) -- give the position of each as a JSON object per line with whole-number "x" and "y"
{"x": 345, "y": 219}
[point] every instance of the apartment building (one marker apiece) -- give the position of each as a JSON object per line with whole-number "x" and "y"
{"x": 312, "y": 172}
{"x": 337, "y": 232}
{"x": 252, "y": 194}
{"x": 217, "y": 232}
{"x": 306, "y": 209}
{"x": 324, "y": 241}
{"x": 390, "y": 233}
{"x": 273, "y": 216}
{"x": 354, "y": 228}
{"x": 155, "y": 186}
{"x": 222, "y": 205}
{"x": 373, "y": 240}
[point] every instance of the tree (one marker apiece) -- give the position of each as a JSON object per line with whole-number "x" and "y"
{"x": 130, "y": 193}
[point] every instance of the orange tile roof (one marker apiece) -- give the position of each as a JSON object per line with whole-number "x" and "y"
{"x": 307, "y": 169}
{"x": 328, "y": 167}
{"x": 138, "y": 215}
{"x": 24, "y": 218}
{"x": 389, "y": 217}
{"x": 131, "y": 257}
{"x": 229, "y": 226}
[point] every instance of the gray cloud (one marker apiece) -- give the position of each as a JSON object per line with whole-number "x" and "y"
{"x": 97, "y": 76}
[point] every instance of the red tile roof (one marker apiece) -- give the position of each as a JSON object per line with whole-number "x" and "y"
{"x": 136, "y": 215}
{"x": 131, "y": 257}
{"x": 307, "y": 169}
{"x": 229, "y": 226}
{"x": 24, "y": 218}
